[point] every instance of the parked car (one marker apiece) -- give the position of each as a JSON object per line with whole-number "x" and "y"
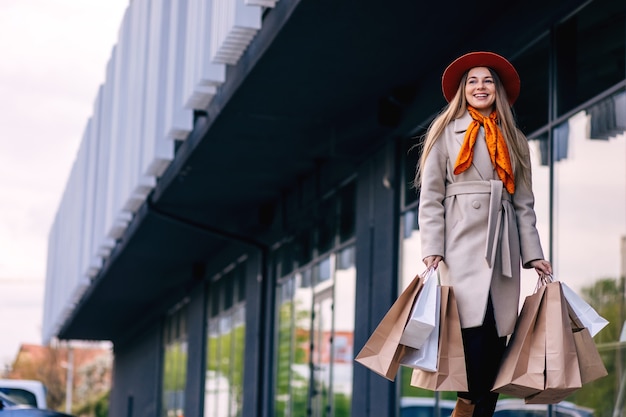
{"x": 518, "y": 408}
{"x": 25, "y": 391}
{"x": 424, "y": 407}
{"x": 10, "y": 408}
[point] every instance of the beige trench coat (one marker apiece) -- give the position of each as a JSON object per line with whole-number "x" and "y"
{"x": 482, "y": 232}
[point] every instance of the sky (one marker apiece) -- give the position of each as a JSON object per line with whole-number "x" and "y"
{"x": 53, "y": 56}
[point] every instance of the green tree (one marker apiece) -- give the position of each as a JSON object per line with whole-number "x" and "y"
{"x": 292, "y": 338}
{"x": 226, "y": 354}
{"x": 605, "y": 296}
{"x": 47, "y": 368}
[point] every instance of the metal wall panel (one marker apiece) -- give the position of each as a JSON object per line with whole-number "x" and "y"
{"x": 377, "y": 275}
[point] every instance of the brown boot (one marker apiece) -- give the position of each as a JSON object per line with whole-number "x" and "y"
{"x": 463, "y": 408}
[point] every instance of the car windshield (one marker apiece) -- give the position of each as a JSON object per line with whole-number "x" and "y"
{"x": 19, "y": 396}
{"x": 7, "y": 401}
{"x": 533, "y": 413}
{"x": 423, "y": 411}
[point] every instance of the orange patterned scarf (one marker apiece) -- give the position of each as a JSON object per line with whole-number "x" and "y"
{"x": 496, "y": 145}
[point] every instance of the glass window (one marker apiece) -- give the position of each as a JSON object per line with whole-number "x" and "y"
{"x": 590, "y": 229}
{"x": 342, "y": 344}
{"x": 591, "y": 53}
{"x": 303, "y": 246}
{"x": 225, "y": 349}
{"x": 347, "y": 212}
{"x": 532, "y": 106}
{"x": 539, "y": 158}
{"x": 315, "y": 314}
{"x": 20, "y": 396}
{"x": 590, "y": 200}
{"x": 326, "y": 230}
{"x": 314, "y": 338}
{"x": 292, "y": 347}
{"x": 283, "y": 260}
{"x": 411, "y": 154}
{"x": 174, "y": 364}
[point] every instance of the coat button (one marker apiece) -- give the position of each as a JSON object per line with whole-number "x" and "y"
{"x": 476, "y": 204}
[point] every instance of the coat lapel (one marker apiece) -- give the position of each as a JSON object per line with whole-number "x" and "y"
{"x": 481, "y": 162}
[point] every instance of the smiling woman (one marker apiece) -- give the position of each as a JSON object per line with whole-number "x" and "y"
{"x": 477, "y": 218}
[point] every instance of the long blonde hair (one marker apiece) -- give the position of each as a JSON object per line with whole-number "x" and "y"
{"x": 514, "y": 138}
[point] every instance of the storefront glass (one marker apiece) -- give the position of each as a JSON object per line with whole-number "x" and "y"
{"x": 314, "y": 349}
{"x": 590, "y": 230}
{"x": 315, "y": 296}
{"x": 174, "y": 364}
{"x": 573, "y": 107}
{"x": 225, "y": 349}
{"x": 589, "y": 53}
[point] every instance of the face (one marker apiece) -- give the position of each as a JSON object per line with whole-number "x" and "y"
{"x": 480, "y": 90}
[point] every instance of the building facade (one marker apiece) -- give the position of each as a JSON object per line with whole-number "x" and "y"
{"x": 240, "y": 213}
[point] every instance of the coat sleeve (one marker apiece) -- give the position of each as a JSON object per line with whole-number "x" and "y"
{"x": 524, "y": 204}
{"x": 431, "y": 217}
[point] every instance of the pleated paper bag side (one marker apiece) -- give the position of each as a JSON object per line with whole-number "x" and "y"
{"x": 589, "y": 359}
{"x": 562, "y": 375}
{"x": 523, "y": 363}
{"x": 381, "y": 352}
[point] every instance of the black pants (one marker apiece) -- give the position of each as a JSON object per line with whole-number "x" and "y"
{"x": 483, "y": 352}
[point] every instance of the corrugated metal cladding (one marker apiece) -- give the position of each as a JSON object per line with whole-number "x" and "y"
{"x": 239, "y": 215}
{"x": 170, "y": 59}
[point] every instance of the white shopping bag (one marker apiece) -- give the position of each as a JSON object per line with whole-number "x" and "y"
{"x": 584, "y": 312}
{"x": 423, "y": 315}
{"x": 425, "y": 358}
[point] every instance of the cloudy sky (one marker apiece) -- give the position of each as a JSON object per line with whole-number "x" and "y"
{"x": 53, "y": 55}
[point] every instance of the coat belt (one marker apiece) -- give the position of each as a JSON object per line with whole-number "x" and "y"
{"x": 498, "y": 224}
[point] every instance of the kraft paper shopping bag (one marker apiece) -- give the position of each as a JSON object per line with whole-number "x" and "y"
{"x": 381, "y": 353}
{"x": 562, "y": 372}
{"x": 451, "y": 374}
{"x": 523, "y": 362}
{"x": 589, "y": 360}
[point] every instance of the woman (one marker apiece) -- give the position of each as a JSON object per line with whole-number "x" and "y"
{"x": 476, "y": 213}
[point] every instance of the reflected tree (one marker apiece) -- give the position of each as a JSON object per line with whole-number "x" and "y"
{"x": 606, "y": 297}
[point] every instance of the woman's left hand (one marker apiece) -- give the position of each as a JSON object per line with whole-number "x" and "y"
{"x": 542, "y": 266}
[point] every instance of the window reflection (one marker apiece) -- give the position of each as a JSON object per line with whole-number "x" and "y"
{"x": 174, "y": 364}
{"x": 225, "y": 349}
{"x": 314, "y": 338}
{"x": 589, "y": 229}
{"x": 590, "y": 52}
{"x": 315, "y": 295}
{"x": 531, "y": 108}
{"x": 590, "y": 198}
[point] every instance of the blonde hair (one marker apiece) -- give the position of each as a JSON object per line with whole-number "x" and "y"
{"x": 514, "y": 138}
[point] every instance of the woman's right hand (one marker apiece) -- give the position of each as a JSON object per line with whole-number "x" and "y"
{"x": 432, "y": 261}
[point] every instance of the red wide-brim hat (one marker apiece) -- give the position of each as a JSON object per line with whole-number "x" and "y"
{"x": 507, "y": 73}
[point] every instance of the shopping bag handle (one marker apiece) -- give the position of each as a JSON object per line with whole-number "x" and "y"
{"x": 428, "y": 273}
{"x": 544, "y": 279}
